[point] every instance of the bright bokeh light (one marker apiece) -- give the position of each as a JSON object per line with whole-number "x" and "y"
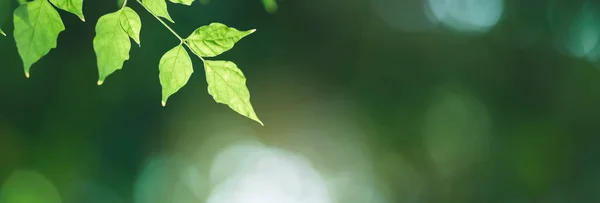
{"x": 405, "y": 15}
{"x": 169, "y": 179}
{"x": 28, "y": 187}
{"x": 584, "y": 34}
{"x": 157, "y": 182}
{"x": 259, "y": 174}
{"x": 576, "y": 29}
{"x": 317, "y": 155}
{"x": 456, "y": 131}
{"x": 467, "y": 15}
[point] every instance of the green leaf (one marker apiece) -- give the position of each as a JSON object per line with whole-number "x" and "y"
{"x": 2, "y": 32}
{"x": 37, "y": 25}
{"x": 214, "y": 39}
{"x": 111, "y": 45}
{"x": 227, "y": 85}
{"x": 175, "y": 71}
{"x": 184, "y": 2}
{"x": 72, "y": 6}
{"x": 159, "y": 8}
{"x": 131, "y": 23}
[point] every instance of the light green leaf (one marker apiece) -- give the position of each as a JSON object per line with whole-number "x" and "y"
{"x": 37, "y": 25}
{"x": 214, "y": 39}
{"x": 175, "y": 70}
{"x": 72, "y": 6}
{"x": 131, "y": 23}
{"x": 111, "y": 45}
{"x": 2, "y": 32}
{"x": 227, "y": 85}
{"x": 159, "y": 8}
{"x": 184, "y": 2}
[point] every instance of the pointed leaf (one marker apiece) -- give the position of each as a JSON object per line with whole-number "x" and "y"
{"x": 2, "y": 32}
{"x": 159, "y": 8}
{"x": 131, "y": 23}
{"x": 227, "y": 85}
{"x": 184, "y": 2}
{"x": 175, "y": 71}
{"x": 37, "y": 25}
{"x": 72, "y": 6}
{"x": 111, "y": 45}
{"x": 214, "y": 39}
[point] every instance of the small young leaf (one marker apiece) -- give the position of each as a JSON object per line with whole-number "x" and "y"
{"x": 184, "y": 2}
{"x": 159, "y": 8}
{"x": 131, "y": 23}
{"x": 214, "y": 39}
{"x": 175, "y": 70}
{"x": 72, "y": 6}
{"x": 2, "y": 32}
{"x": 37, "y": 25}
{"x": 227, "y": 85}
{"x": 111, "y": 45}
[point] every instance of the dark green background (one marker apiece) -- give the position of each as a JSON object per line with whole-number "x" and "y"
{"x": 544, "y": 106}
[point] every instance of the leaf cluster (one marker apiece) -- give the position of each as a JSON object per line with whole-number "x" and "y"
{"x": 38, "y": 25}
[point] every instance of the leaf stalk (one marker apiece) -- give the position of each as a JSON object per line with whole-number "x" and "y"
{"x": 124, "y": 4}
{"x": 183, "y": 41}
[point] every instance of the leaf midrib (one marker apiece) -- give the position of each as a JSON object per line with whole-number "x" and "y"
{"x": 216, "y": 39}
{"x": 37, "y": 21}
{"x": 229, "y": 87}
{"x": 117, "y": 27}
{"x": 176, "y": 58}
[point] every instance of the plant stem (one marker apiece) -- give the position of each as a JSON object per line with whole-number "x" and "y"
{"x": 170, "y": 29}
{"x": 160, "y": 20}
{"x": 124, "y": 4}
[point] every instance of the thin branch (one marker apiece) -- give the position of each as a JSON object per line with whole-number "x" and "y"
{"x": 183, "y": 41}
{"x": 160, "y": 20}
{"x": 124, "y": 4}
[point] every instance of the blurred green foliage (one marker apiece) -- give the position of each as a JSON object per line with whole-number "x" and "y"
{"x": 311, "y": 61}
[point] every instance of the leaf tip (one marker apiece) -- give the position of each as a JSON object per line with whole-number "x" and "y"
{"x": 2, "y": 33}
{"x": 27, "y": 74}
{"x": 100, "y": 82}
{"x": 170, "y": 19}
{"x": 164, "y": 103}
{"x": 257, "y": 120}
{"x": 252, "y": 31}
{"x": 82, "y": 19}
